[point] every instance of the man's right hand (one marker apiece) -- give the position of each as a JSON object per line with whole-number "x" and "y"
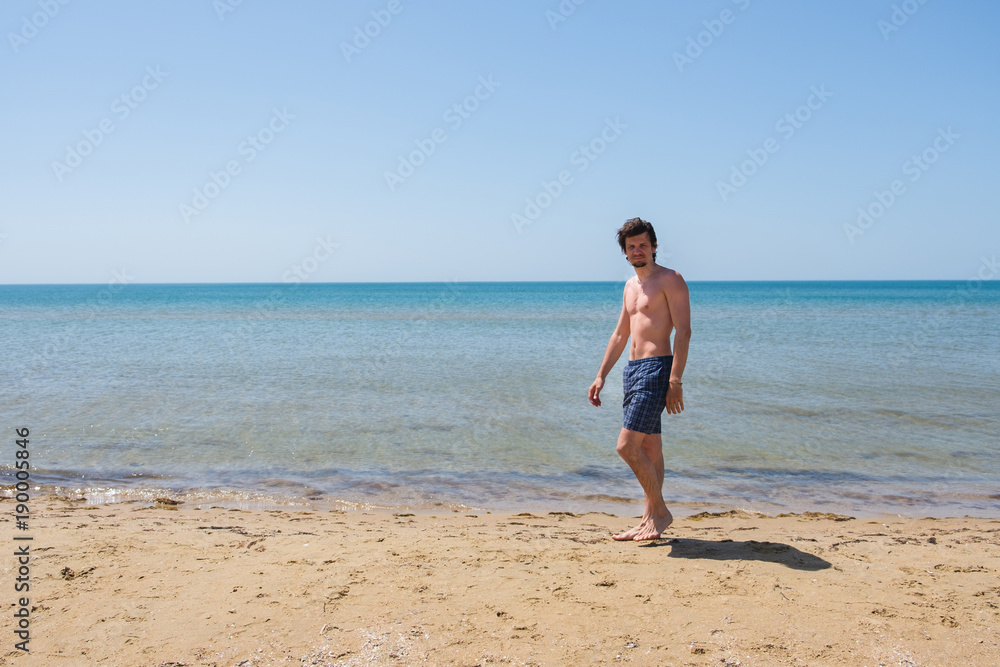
{"x": 595, "y": 392}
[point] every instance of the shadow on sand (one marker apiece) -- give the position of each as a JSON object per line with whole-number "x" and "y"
{"x": 771, "y": 552}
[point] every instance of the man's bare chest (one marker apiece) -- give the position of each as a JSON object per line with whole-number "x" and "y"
{"x": 648, "y": 300}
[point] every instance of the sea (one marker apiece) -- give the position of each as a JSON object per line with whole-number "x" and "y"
{"x": 858, "y": 398}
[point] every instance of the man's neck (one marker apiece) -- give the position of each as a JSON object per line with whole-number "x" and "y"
{"x": 643, "y": 272}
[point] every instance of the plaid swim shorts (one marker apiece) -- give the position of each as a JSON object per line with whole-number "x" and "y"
{"x": 645, "y": 382}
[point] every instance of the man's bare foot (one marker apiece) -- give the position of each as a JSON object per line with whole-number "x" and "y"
{"x": 630, "y": 534}
{"x": 654, "y": 527}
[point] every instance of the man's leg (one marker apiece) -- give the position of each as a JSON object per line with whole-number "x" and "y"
{"x": 652, "y": 445}
{"x": 649, "y": 472}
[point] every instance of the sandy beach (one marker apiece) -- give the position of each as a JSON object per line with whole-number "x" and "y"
{"x": 135, "y": 584}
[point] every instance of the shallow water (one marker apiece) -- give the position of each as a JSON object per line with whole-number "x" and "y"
{"x": 858, "y": 397}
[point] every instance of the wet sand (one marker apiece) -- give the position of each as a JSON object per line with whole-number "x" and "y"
{"x": 134, "y": 584}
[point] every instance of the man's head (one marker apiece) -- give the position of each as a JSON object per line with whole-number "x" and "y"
{"x": 637, "y": 239}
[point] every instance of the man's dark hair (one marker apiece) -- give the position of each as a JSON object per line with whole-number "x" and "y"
{"x": 634, "y": 227}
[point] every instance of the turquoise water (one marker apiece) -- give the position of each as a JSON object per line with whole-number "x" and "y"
{"x": 858, "y": 397}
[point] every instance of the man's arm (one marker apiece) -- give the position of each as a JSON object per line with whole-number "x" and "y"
{"x": 616, "y": 345}
{"x": 679, "y": 303}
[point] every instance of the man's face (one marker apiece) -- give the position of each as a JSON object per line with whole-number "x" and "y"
{"x": 638, "y": 250}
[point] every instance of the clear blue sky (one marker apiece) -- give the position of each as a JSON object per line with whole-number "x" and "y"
{"x": 673, "y": 129}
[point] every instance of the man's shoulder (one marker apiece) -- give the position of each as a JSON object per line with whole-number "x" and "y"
{"x": 671, "y": 276}
{"x": 672, "y": 283}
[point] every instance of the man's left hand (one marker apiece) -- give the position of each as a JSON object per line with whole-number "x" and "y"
{"x": 675, "y": 399}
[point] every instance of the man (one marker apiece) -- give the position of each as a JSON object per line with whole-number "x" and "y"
{"x": 654, "y": 302}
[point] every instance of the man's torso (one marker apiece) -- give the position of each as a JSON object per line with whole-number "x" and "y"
{"x": 649, "y": 315}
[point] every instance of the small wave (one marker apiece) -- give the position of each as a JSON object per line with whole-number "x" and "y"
{"x": 912, "y": 418}
{"x": 799, "y": 412}
{"x": 604, "y": 498}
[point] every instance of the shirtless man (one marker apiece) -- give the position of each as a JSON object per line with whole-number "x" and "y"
{"x": 654, "y": 303}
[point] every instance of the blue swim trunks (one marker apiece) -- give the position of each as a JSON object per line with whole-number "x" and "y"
{"x": 645, "y": 382}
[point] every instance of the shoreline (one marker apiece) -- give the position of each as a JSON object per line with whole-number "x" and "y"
{"x": 256, "y": 500}
{"x": 126, "y": 584}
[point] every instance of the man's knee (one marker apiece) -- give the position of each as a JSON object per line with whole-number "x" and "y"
{"x": 652, "y": 444}
{"x": 629, "y": 443}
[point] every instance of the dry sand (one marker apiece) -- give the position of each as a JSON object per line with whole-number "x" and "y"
{"x": 130, "y": 584}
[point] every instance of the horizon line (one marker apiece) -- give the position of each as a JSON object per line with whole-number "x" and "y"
{"x": 488, "y": 282}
